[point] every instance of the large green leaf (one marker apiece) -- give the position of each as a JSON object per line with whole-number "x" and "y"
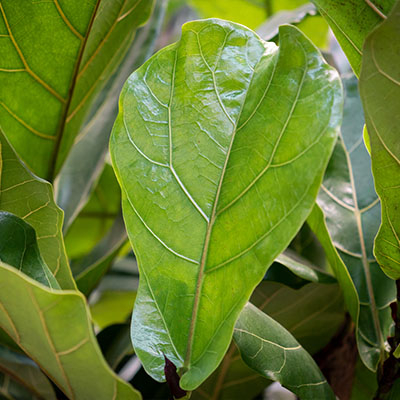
{"x": 351, "y": 208}
{"x": 312, "y": 315}
{"x": 380, "y": 93}
{"x": 272, "y": 351}
{"x": 55, "y": 58}
{"x": 85, "y": 162}
{"x": 352, "y": 21}
{"x": 24, "y": 371}
{"x": 19, "y": 248}
{"x": 31, "y": 198}
{"x": 54, "y": 329}
{"x": 220, "y": 158}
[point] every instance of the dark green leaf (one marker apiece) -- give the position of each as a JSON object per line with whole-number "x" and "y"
{"x": 272, "y": 351}
{"x": 352, "y": 21}
{"x": 55, "y": 58}
{"x": 53, "y": 327}
{"x": 86, "y": 159}
{"x": 220, "y": 159}
{"x": 19, "y": 248}
{"x": 380, "y": 93}
{"x": 24, "y": 371}
{"x": 351, "y": 208}
{"x": 31, "y": 198}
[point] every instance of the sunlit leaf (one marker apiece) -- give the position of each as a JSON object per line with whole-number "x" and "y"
{"x": 220, "y": 159}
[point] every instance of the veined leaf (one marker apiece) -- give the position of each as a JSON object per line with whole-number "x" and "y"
{"x": 40, "y": 320}
{"x": 65, "y": 70}
{"x": 86, "y": 160}
{"x": 31, "y": 198}
{"x": 352, "y": 21}
{"x": 311, "y": 314}
{"x": 351, "y": 208}
{"x": 24, "y": 371}
{"x": 272, "y": 351}
{"x": 19, "y": 248}
{"x": 213, "y": 136}
{"x": 380, "y": 93}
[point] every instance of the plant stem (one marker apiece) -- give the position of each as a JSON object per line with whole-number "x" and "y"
{"x": 389, "y": 371}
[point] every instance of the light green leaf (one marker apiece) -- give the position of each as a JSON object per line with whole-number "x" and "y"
{"x": 220, "y": 159}
{"x": 31, "y": 198}
{"x": 247, "y": 12}
{"x": 272, "y": 351}
{"x": 351, "y": 208}
{"x": 85, "y": 162}
{"x": 63, "y": 53}
{"x": 19, "y": 248}
{"x": 380, "y": 93}
{"x": 312, "y": 315}
{"x": 53, "y": 328}
{"x": 351, "y": 21}
{"x": 27, "y": 374}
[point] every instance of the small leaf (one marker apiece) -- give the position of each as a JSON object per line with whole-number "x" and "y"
{"x": 272, "y": 351}
{"x": 31, "y": 198}
{"x": 18, "y": 247}
{"x": 220, "y": 157}
{"x": 53, "y": 327}
{"x": 380, "y": 93}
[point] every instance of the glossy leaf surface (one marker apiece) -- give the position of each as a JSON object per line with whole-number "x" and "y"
{"x": 380, "y": 93}
{"x": 272, "y": 351}
{"x": 352, "y": 212}
{"x": 31, "y": 198}
{"x": 19, "y": 248}
{"x": 213, "y": 136}
{"x": 64, "y": 70}
{"x": 352, "y": 21}
{"x": 40, "y": 321}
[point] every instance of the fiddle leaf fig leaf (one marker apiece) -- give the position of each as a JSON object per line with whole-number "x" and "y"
{"x": 351, "y": 21}
{"x": 39, "y": 320}
{"x": 347, "y": 194}
{"x": 19, "y": 248}
{"x": 31, "y": 199}
{"x": 63, "y": 53}
{"x": 220, "y": 147}
{"x": 267, "y": 347}
{"x": 380, "y": 93}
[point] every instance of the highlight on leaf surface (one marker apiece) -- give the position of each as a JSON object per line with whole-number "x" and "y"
{"x": 219, "y": 147}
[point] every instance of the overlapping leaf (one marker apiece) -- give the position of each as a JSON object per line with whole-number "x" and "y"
{"x": 351, "y": 208}
{"x": 64, "y": 70}
{"x": 19, "y": 248}
{"x": 271, "y": 350}
{"x": 352, "y": 21}
{"x": 312, "y": 315}
{"x": 54, "y": 329}
{"x": 380, "y": 93}
{"x": 31, "y": 198}
{"x": 220, "y": 155}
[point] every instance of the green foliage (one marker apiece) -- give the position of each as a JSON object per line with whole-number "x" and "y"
{"x": 260, "y": 235}
{"x": 380, "y": 93}
{"x": 196, "y": 160}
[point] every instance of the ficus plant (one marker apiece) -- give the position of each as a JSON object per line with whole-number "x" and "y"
{"x": 199, "y": 199}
